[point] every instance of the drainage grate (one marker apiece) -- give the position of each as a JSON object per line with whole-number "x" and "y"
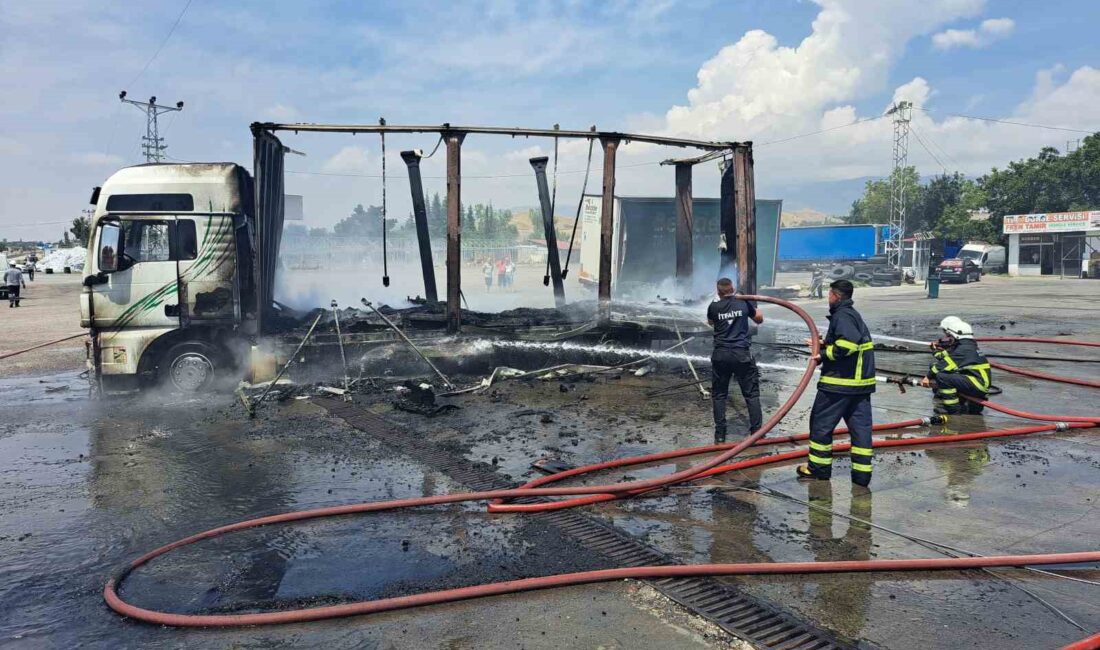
{"x": 740, "y": 614}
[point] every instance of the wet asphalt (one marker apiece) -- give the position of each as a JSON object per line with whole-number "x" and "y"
{"x": 86, "y": 485}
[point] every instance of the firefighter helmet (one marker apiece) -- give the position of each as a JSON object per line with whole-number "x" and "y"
{"x": 957, "y": 328}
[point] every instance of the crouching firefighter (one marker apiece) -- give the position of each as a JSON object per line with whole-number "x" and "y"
{"x": 958, "y": 369}
{"x": 844, "y": 391}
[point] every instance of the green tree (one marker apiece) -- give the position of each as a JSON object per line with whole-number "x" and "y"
{"x": 80, "y": 229}
{"x": 874, "y": 205}
{"x": 362, "y": 223}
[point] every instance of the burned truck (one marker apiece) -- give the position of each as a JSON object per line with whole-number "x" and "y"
{"x": 170, "y": 285}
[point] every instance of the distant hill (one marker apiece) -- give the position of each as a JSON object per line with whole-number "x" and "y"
{"x": 807, "y": 217}
{"x": 522, "y": 221}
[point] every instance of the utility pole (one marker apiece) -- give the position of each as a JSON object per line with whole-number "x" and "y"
{"x": 903, "y": 113}
{"x": 152, "y": 145}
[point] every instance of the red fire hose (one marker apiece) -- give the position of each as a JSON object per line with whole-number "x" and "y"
{"x": 604, "y": 492}
{"x": 1042, "y": 375}
{"x": 1091, "y": 643}
{"x": 1028, "y": 339}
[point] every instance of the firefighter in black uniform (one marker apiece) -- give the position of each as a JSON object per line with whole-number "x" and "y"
{"x": 729, "y": 316}
{"x": 844, "y": 390}
{"x": 958, "y": 369}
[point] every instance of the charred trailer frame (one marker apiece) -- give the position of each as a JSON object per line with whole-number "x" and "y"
{"x": 738, "y": 222}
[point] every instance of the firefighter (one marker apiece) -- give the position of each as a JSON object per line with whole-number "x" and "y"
{"x": 729, "y": 316}
{"x": 957, "y": 369}
{"x": 847, "y": 361}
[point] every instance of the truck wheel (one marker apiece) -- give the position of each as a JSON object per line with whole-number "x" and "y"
{"x": 190, "y": 367}
{"x": 842, "y": 272}
{"x": 864, "y": 277}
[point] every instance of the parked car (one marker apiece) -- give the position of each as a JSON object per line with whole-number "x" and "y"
{"x": 962, "y": 270}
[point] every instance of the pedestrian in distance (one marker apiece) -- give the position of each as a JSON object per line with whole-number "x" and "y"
{"x": 958, "y": 370}
{"x": 502, "y": 280}
{"x": 730, "y": 316}
{"x": 847, "y": 359}
{"x": 13, "y": 278}
{"x": 510, "y": 272}
{"x": 487, "y": 271}
{"x": 817, "y": 282}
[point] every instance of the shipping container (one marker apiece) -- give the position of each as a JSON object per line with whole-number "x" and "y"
{"x": 644, "y": 242}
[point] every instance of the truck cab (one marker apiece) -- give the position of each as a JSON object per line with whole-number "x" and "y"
{"x": 168, "y": 286}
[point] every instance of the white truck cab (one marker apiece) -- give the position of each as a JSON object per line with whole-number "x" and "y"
{"x": 168, "y": 287}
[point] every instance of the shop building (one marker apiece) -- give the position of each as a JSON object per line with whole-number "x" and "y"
{"x": 1065, "y": 244}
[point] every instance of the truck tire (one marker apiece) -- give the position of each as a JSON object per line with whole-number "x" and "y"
{"x": 190, "y": 367}
{"x": 842, "y": 272}
{"x": 863, "y": 276}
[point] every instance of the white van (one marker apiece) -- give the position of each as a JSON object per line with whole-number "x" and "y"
{"x": 991, "y": 259}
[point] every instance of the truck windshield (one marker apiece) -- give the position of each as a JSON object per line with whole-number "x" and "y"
{"x": 970, "y": 255}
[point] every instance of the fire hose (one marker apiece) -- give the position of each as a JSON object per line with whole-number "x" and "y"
{"x": 595, "y": 493}
{"x": 1033, "y": 373}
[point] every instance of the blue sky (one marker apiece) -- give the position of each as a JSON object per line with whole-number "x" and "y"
{"x": 744, "y": 69}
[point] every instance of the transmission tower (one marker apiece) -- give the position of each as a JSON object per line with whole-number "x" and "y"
{"x": 902, "y": 112}
{"x": 152, "y": 145}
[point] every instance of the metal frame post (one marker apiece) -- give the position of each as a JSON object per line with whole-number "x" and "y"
{"x": 745, "y": 217}
{"x": 420, "y": 217}
{"x": 607, "y": 227}
{"x": 539, "y": 165}
{"x": 685, "y": 263}
{"x": 454, "y": 229}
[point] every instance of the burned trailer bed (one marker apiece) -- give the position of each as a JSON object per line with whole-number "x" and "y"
{"x": 372, "y": 348}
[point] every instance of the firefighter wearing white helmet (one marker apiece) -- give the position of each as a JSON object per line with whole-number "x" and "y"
{"x": 958, "y": 369}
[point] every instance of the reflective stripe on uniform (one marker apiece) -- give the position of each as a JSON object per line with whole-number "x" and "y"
{"x": 981, "y": 382}
{"x": 820, "y": 460}
{"x": 949, "y": 363}
{"x": 861, "y": 451}
{"x": 947, "y": 391}
{"x": 860, "y": 467}
{"x": 830, "y": 352}
{"x": 953, "y": 400}
{"x": 847, "y": 345}
{"x": 817, "y": 446}
{"x": 848, "y": 382}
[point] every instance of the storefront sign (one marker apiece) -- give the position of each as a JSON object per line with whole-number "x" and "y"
{"x": 1052, "y": 222}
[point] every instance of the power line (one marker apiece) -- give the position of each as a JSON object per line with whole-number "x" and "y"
{"x": 925, "y": 147}
{"x": 162, "y": 43}
{"x": 832, "y": 128}
{"x": 991, "y": 119}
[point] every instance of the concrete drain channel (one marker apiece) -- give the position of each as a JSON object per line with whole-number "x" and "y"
{"x": 739, "y": 614}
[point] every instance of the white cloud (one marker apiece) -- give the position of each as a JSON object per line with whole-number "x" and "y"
{"x": 96, "y": 159}
{"x": 989, "y": 31}
{"x": 281, "y": 113}
{"x": 349, "y": 160}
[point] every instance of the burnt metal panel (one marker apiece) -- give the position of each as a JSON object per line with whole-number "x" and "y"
{"x": 684, "y": 226}
{"x": 268, "y": 154}
{"x": 420, "y": 218}
{"x": 539, "y": 165}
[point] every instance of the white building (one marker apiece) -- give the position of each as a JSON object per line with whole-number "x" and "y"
{"x": 1066, "y": 244}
